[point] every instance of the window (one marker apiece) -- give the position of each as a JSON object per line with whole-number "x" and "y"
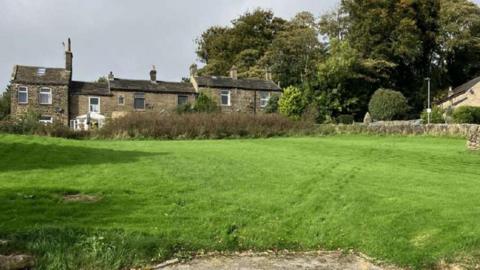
{"x": 45, "y": 96}
{"x": 121, "y": 100}
{"x": 73, "y": 124}
{"x": 182, "y": 100}
{"x": 264, "y": 97}
{"x": 41, "y": 71}
{"x": 94, "y": 104}
{"x": 225, "y": 97}
{"x": 139, "y": 101}
{"x": 46, "y": 119}
{"x": 23, "y": 95}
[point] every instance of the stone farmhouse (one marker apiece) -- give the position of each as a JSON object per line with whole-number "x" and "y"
{"x": 467, "y": 94}
{"x": 53, "y": 94}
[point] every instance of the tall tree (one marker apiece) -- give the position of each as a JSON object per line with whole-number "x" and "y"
{"x": 242, "y": 44}
{"x": 345, "y": 80}
{"x": 295, "y": 52}
{"x": 459, "y": 41}
{"x": 5, "y": 103}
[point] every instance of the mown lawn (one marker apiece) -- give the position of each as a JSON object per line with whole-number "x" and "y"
{"x": 411, "y": 201}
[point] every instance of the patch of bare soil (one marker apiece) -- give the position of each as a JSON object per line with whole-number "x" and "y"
{"x": 323, "y": 260}
{"x": 14, "y": 262}
{"x": 81, "y": 198}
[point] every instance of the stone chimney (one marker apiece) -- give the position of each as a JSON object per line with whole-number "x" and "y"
{"x": 69, "y": 56}
{"x": 193, "y": 70}
{"x": 111, "y": 77}
{"x": 234, "y": 73}
{"x": 450, "y": 91}
{"x": 268, "y": 74}
{"x": 153, "y": 75}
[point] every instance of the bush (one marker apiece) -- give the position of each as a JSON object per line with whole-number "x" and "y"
{"x": 387, "y": 105}
{"x": 29, "y": 125}
{"x": 185, "y": 108}
{"x": 436, "y": 117}
{"x": 272, "y": 105}
{"x": 206, "y": 104}
{"x": 346, "y": 119}
{"x": 292, "y": 102}
{"x": 467, "y": 115}
{"x": 203, "y": 126}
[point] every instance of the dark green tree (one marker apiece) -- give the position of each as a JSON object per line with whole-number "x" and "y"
{"x": 295, "y": 52}
{"x": 242, "y": 44}
{"x": 458, "y": 42}
{"x": 5, "y": 103}
{"x": 346, "y": 81}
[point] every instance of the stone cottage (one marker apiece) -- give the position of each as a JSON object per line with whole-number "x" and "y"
{"x": 56, "y": 97}
{"x": 467, "y": 94}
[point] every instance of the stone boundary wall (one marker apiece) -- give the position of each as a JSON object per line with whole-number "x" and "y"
{"x": 403, "y": 128}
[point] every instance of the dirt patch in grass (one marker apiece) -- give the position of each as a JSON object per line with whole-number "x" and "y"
{"x": 335, "y": 260}
{"x": 14, "y": 262}
{"x": 81, "y": 198}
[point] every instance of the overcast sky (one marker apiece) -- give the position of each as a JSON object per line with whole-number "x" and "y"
{"x": 126, "y": 37}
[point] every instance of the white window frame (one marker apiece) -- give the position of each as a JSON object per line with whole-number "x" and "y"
{"x": 264, "y": 100}
{"x": 90, "y": 104}
{"x": 46, "y": 121}
{"x": 123, "y": 100}
{"x": 228, "y": 95}
{"x": 41, "y": 71}
{"x": 18, "y": 94}
{"x": 49, "y": 96}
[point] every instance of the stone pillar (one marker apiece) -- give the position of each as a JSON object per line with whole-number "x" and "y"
{"x": 473, "y": 142}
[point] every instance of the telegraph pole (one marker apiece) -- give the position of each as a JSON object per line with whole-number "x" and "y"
{"x": 429, "y": 108}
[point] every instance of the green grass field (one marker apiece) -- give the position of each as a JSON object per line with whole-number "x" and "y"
{"x": 411, "y": 201}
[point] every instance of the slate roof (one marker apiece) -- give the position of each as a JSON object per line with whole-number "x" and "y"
{"x": 29, "y": 74}
{"x": 148, "y": 86}
{"x": 461, "y": 89}
{"x": 89, "y": 88}
{"x": 227, "y": 82}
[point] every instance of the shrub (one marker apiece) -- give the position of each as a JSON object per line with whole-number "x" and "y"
{"x": 386, "y": 105}
{"x": 29, "y": 125}
{"x": 467, "y": 115}
{"x": 202, "y": 126}
{"x": 346, "y": 119}
{"x": 436, "y": 117}
{"x": 185, "y": 108}
{"x": 272, "y": 105}
{"x": 292, "y": 103}
{"x": 205, "y": 103}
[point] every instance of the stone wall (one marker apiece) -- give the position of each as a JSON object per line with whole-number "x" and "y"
{"x": 58, "y": 110}
{"x": 109, "y": 105}
{"x": 240, "y": 100}
{"x": 399, "y": 128}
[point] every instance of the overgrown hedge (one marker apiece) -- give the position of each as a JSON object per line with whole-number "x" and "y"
{"x": 220, "y": 126}
{"x": 33, "y": 127}
{"x": 203, "y": 126}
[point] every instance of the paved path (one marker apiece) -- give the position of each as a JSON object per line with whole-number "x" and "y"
{"x": 317, "y": 261}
